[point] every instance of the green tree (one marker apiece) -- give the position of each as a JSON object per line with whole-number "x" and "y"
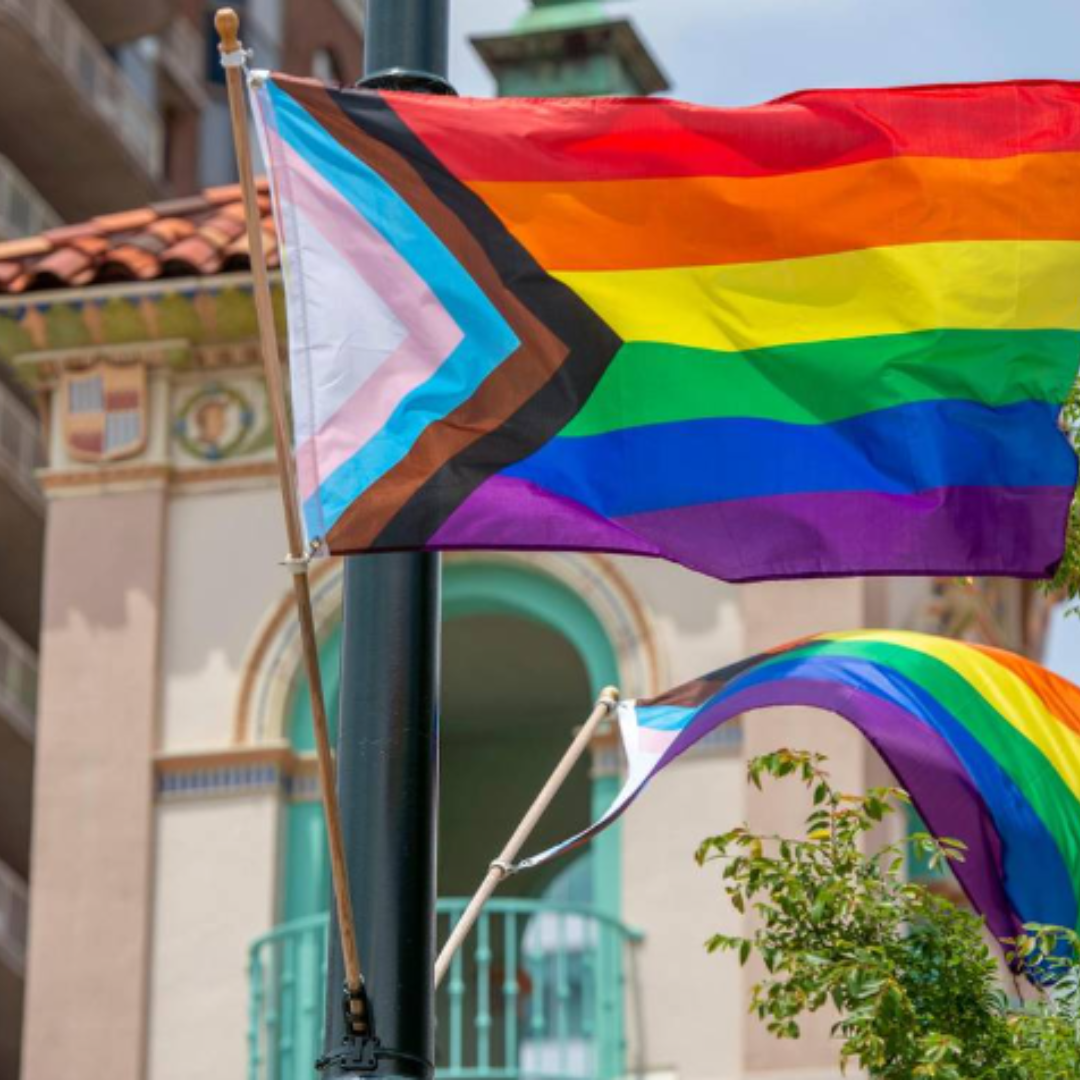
{"x": 1067, "y": 579}
{"x": 915, "y": 989}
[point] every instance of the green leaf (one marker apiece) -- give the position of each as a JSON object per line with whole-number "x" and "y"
{"x": 915, "y": 990}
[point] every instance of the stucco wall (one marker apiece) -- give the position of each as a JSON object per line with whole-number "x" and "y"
{"x": 696, "y": 620}
{"x": 215, "y": 892}
{"x": 89, "y": 914}
{"x": 689, "y": 1004}
{"x": 223, "y": 550}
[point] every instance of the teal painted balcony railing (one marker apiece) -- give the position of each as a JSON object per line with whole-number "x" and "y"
{"x": 537, "y": 993}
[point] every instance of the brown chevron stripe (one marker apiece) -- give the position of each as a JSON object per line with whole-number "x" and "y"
{"x": 564, "y": 348}
{"x": 693, "y": 694}
{"x": 500, "y": 395}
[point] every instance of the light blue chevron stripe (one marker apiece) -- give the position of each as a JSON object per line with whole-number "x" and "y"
{"x": 664, "y": 717}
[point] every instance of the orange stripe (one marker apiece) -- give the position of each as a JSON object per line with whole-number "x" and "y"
{"x": 709, "y": 221}
{"x": 1059, "y": 695}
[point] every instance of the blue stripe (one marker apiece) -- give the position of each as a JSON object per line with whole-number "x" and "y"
{"x": 909, "y": 448}
{"x": 664, "y": 717}
{"x": 1037, "y": 880}
{"x": 488, "y": 339}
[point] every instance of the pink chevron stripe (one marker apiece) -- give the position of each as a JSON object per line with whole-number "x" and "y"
{"x": 653, "y": 742}
{"x": 432, "y": 333}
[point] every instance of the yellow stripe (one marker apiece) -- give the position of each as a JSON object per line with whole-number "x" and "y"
{"x": 1003, "y": 689}
{"x": 1006, "y": 285}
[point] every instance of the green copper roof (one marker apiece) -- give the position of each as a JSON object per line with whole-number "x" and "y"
{"x": 560, "y": 15}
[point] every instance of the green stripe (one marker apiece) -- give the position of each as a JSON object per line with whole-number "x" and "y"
{"x": 1050, "y": 797}
{"x": 826, "y": 381}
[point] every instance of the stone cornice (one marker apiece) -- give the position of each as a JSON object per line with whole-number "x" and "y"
{"x": 213, "y": 315}
{"x": 41, "y": 369}
{"x": 130, "y": 289}
{"x": 274, "y": 769}
{"x": 123, "y": 477}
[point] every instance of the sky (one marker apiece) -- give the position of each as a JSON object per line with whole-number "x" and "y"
{"x": 739, "y": 52}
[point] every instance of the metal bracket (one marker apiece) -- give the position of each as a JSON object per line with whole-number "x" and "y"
{"x": 357, "y": 1055}
{"x": 407, "y": 80}
{"x": 237, "y": 58}
{"x": 299, "y": 564}
{"x": 360, "y": 1049}
{"x": 349, "y": 998}
{"x": 296, "y": 564}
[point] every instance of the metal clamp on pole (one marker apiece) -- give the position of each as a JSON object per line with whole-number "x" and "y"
{"x": 296, "y": 564}
{"x": 405, "y": 79}
{"x": 359, "y": 1050}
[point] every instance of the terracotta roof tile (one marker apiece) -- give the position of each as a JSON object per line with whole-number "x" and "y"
{"x": 125, "y": 221}
{"x": 61, "y": 265}
{"x": 182, "y": 207}
{"x": 227, "y": 193}
{"x": 200, "y": 235}
{"x": 171, "y": 229}
{"x": 68, "y": 234}
{"x": 195, "y": 255}
{"x": 91, "y": 245}
{"x": 86, "y": 277}
{"x": 133, "y": 261}
{"x": 25, "y": 248}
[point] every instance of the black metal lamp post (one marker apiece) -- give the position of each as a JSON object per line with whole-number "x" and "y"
{"x": 388, "y": 742}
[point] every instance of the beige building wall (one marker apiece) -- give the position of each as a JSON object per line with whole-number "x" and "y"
{"x": 215, "y": 892}
{"x": 691, "y": 1003}
{"x": 225, "y": 545}
{"x": 89, "y": 915}
{"x": 685, "y": 1007}
{"x": 217, "y": 852}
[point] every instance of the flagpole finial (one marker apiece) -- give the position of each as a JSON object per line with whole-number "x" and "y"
{"x": 227, "y": 24}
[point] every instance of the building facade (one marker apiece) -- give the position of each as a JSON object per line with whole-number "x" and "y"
{"x": 105, "y": 105}
{"x": 178, "y": 882}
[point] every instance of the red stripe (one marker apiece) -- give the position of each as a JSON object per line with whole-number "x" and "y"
{"x": 639, "y": 138}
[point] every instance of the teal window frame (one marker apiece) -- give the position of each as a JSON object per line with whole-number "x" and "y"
{"x": 469, "y": 588}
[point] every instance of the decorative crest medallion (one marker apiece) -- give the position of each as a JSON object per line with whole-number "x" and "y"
{"x": 215, "y": 423}
{"x": 104, "y": 414}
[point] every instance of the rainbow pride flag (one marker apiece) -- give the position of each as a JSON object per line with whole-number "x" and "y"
{"x": 986, "y": 742}
{"x": 828, "y": 335}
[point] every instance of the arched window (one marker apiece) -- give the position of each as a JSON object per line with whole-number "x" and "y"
{"x": 523, "y": 659}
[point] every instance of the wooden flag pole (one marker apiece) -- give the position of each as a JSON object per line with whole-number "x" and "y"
{"x": 502, "y": 867}
{"x": 227, "y": 23}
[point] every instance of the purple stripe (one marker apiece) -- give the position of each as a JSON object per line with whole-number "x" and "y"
{"x": 509, "y": 514}
{"x": 947, "y": 531}
{"x": 923, "y": 762}
{"x": 1019, "y": 532}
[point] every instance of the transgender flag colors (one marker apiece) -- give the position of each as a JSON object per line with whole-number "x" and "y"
{"x": 829, "y": 335}
{"x": 986, "y": 743}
